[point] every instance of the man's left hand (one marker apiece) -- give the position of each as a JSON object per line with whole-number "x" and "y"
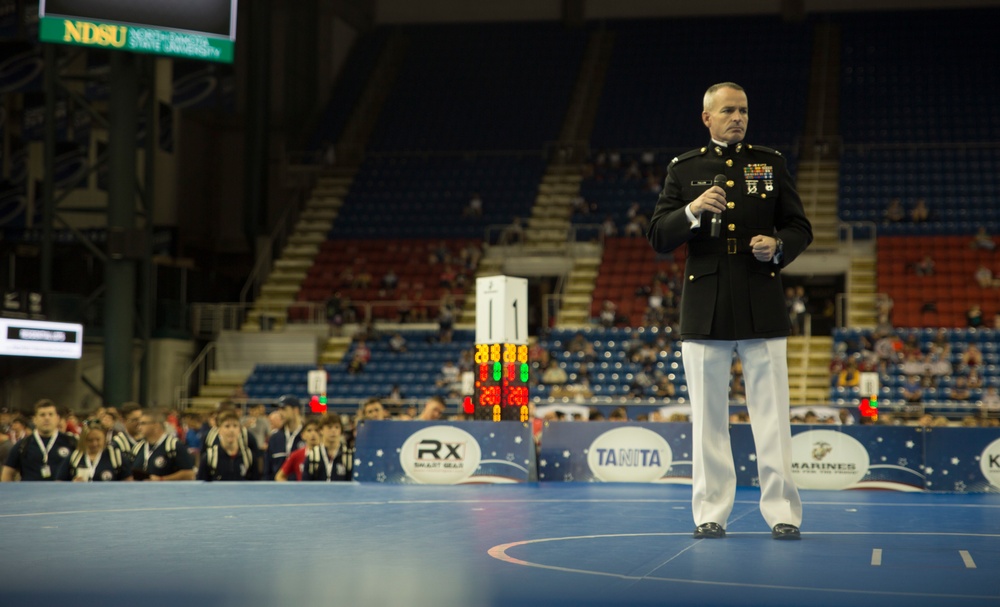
{"x": 764, "y": 247}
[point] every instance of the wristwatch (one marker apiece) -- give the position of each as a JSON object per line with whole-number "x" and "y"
{"x": 779, "y": 248}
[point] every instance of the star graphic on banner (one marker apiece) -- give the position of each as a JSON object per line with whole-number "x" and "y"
{"x": 909, "y": 444}
{"x": 955, "y": 461}
{"x": 960, "y": 486}
{"x": 543, "y": 463}
{"x": 380, "y": 477}
{"x": 879, "y": 439}
{"x": 379, "y": 453}
{"x": 566, "y": 454}
{"x": 510, "y": 457}
{"x": 929, "y": 470}
{"x": 568, "y": 477}
{"x": 753, "y": 457}
{"x": 517, "y": 439}
{"x": 902, "y": 461}
{"x": 945, "y": 472}
{"x": 755, "y": 482}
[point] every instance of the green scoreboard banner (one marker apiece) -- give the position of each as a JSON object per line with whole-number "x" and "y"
{"x": 192, "y": 29}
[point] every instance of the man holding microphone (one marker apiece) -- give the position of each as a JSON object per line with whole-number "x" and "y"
{"x": 733, "y": 301}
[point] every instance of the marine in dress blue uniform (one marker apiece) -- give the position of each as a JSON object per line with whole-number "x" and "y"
{"x": 733, "y": 301}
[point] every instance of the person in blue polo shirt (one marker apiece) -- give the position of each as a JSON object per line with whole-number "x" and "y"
{"x": 37, "y": 457}
{"x": 95, "y": 459}
{"x": 158, "y": 457}
{"x": 228, "y": 458}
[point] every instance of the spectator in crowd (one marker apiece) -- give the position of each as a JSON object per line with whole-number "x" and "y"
{"x": 229, "y": 458}
{"x": 246, "y": 439}
{"x": 664, "y": 388}
{"x": 404, "y": 309}
{"x": 609, "y": 228}
{"x": 447, "y": 312}
{"x": 159, "y": 455}
{"x": 397, "y": 343}
{"x": 912, "y": 391}
{"x": 609, "y": 314}
{"x": 17, "y": 428}
{"x": 330, "y": 460}
{"x": 983, "y": 241}
{"x": 390, "y": 280}
{"x": 450, "y": 376}
{"x": 286, "y": 440}
{"x": 554, "y": 375}
{"x": 618, "y": 414}
{"x": 256, "y": 423}
{"x": 924, "y": 267}
{"x": 37, "y": 456}
{"x": 191, "y": 431}
{"x": 920, "y": 212}
{"x": 295, "y": 464}
{"x": 974, "y": 316}
{"x": 972, "y": 357}
{"x": 961, "y": 389}
{"x": 796, "y": 308}
{"x": 984, "y": 277}
{"x": 132, "y": 434}
{"x": 359, "y": 358}
{"x": 895, "y": 212}
{"x": 475, "y": 206}
{"x": 991, "y": 400}
{"x": 433, "y": 410}
{"x": 373, "y": 409}
{"x": 94, "y": 459}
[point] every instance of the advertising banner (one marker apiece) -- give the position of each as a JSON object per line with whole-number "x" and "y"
{"x": 444, "y": 453}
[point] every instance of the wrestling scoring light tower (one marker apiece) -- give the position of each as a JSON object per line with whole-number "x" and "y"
{"x": 502, "y": 369}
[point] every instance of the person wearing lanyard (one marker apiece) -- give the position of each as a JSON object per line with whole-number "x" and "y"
{"x": 37, "y": 457}
{"x": 157, "y": 457}
{"x": 228, "y": 459}
{"x": 330, "y": 460}
{"x": 285, "y": 440}
{"x": 95, "y": 459}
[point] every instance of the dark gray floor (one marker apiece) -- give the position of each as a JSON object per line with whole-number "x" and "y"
{"x": 194, "y": 544}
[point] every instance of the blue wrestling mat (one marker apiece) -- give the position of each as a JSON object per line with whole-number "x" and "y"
{"x": 302, "y": 544}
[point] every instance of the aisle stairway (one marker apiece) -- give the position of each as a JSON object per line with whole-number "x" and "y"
{"x": 809, "y": 369}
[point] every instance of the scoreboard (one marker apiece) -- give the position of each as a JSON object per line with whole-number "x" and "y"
{"x": 502, "y": 371}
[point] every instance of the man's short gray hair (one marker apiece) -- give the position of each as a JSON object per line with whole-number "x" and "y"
{"x": 710, "y": 93}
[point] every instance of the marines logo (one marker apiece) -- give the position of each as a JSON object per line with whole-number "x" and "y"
{"x": 160, "y": 462}
{"x": 820, "y": 450}
{"x": 63, "y": 451}
{"x": 106, "y": 475}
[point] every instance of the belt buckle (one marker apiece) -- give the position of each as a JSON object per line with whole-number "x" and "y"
{"x": 731, "y": 246}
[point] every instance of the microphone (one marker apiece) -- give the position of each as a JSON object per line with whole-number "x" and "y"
{"x": 716, "y": 225}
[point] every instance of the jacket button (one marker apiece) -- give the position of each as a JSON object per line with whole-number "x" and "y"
{"x": 730, "y": 205}
{"x": 763, "y": 195}
{"x": 730, "y": 183}
{"x": 772, "y": 274}
{"x": 729, "y": 162}
{"x": 691, "y": 277}
{"x": 732, "y": 227}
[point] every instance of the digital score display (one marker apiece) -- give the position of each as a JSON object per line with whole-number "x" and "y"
{"x": 501, "y": 383}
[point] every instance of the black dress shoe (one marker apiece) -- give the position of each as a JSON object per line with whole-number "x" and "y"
{"x": 709, "y": 530}
{"x": 784, "y": 531}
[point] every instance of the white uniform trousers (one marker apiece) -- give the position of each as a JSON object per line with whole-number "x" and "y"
{"x": 707, "y": 365}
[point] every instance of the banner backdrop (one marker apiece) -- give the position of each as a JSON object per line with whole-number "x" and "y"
{"x": 830, "y": 457}
{"x": 616, "y": 452}
{"x": 444, "y": 453}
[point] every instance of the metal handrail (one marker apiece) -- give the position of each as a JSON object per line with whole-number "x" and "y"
{"x": 199, "y": 369}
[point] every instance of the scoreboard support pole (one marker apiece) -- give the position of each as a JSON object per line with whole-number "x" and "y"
{"x": 502, "y": 370}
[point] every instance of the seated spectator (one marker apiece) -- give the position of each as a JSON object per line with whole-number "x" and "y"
{"x": 618, "y": 414}
{"x": 446, "y": 319}
{"x": 474, "y": 208}
{"x": 975, "y": 379}
{"x": 991, "y": 399}
{"x": 390, "y": 280}
{"x": 895, "y": 212}
{"x": 397, "y": 343}
{"x": 577, "y": 344}
{"x": 360, "y": 358}
{"x": 554, "y": 375}
{"x": 912, "y": 391}
{"x": 449, "y": 376}
{"x": 920, "y": 213}
{"x": 984, "y": 277}
{"x": 664, "y": 388}
{"x": 433, "y": 410}
{"x": 608, "y": 227}
{"x": 983, "y": 241}
{"x": 974, "y": 316}
{"x": 961, "y": 390}
{"x": 972, "y": 357}
{"x": 372, "y": 409}
{"x": 924, "y": 267}
{"x": 609, "y": 314}
{"x": 849, "y": 376}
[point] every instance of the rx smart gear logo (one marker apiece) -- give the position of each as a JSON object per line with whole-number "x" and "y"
{"x": 630, "y": 454}
{"x": 440, "y": 455}
{"x": 825, "y": 459}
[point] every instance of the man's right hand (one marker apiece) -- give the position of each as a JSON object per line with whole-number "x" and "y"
{"x": 712, "y": 200}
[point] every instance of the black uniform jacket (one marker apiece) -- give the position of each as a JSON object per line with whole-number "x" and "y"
{"x": 727, "y": 293}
